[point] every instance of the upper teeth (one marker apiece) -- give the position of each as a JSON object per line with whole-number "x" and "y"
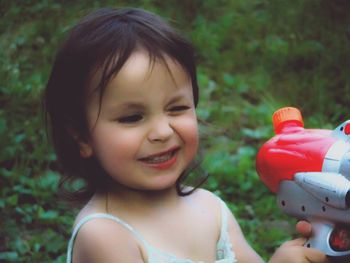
{"x": 159, "y": 159}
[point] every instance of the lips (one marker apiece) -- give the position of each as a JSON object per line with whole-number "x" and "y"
{"x": 161, "y": 160}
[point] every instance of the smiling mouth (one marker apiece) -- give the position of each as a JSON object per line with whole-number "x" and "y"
{"x": 160, "y": 158}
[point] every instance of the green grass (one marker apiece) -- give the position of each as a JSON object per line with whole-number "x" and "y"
{"x": 254, "y": 56}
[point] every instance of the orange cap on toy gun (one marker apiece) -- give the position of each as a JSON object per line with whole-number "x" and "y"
{"x": 286, "y": 114}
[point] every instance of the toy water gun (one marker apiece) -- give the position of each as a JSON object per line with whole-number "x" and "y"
{"x": 309, "y": 170}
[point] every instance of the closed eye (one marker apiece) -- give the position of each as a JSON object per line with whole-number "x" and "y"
{"x": 179, "y": 108}
{"x": 130, "y": 118}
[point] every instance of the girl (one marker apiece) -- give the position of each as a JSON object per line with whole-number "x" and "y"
{"x": 121, "y": 103}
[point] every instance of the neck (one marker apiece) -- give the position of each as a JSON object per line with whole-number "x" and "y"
{"x": 134, "y": 201}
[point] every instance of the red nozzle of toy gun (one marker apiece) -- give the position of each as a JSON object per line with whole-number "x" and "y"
{"x": 286, "y": 115}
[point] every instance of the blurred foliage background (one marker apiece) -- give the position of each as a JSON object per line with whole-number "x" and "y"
{"x": 254, "y": 56}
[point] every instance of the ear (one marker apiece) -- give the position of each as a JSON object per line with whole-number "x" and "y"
{"x": 84, "y": 146}
{"x": 85, "y": 150}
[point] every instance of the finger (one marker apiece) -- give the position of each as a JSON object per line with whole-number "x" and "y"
{"x": 311, "y": 254}
{"x": 304, "y": 228}
{"x": 296, "y": 242}
{"x": 315, "y": 256}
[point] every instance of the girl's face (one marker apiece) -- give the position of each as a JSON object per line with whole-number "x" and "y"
{"x": 146, "y": 132}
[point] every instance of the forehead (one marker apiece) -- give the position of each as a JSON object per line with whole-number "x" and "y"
{"x": 141, "y": 70}
{"x": 140, "y": 67}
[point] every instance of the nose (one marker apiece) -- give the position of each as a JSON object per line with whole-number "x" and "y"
{"x": 160, "y": 130}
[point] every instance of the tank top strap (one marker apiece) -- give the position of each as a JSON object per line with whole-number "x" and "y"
{"x": 224, "y": 226}
{"x": 96, "y": 216}
{"x": 224, "y": 249}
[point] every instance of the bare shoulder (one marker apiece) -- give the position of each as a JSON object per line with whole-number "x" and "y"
{"x": 206, "y": 197}
{"x": 214, "y": 202}
{"x": 241, "y": 247}
{"x": 103, "y": 240}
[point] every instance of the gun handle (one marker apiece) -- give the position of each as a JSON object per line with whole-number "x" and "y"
{"x": 321, "y": 240}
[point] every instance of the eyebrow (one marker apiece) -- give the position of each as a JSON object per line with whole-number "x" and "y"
{"x": 140, "y": 106}
{"x": 131, "y": 105}
{"x": 177, "y": 97}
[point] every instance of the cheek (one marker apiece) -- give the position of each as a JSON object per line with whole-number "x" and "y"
{"x": 188, "y": 131}
{"x": 115, "y": 147}
{"x": 193, "y": 142}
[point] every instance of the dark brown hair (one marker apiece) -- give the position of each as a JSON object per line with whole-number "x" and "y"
{"x": 103, "y": 40}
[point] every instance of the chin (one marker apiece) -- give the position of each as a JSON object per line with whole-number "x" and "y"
{"x": 164, "y": 185}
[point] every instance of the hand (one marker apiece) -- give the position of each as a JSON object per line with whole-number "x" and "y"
{"x": 294, "y": 251}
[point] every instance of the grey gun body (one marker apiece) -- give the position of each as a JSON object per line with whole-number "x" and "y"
{"x": 322, "y": 198}
{"x": 300, "y": 203}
